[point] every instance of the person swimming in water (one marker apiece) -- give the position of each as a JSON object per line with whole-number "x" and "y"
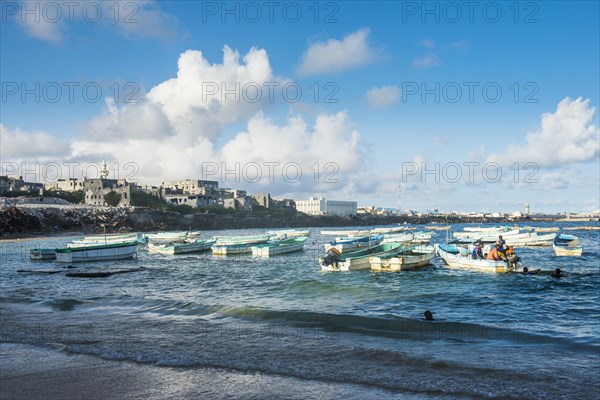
{"x": 526, "y": 271}
{"x": 557, "y": 273}
{"x": 428, "y": 315}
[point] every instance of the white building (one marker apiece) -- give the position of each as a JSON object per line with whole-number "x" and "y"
{"x": 67, "y": 185}
{"x": 320, "y": 206}
{"x": 192, "y": 200}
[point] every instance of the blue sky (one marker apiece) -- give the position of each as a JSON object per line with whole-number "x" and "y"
{"x": 373, "y": 60}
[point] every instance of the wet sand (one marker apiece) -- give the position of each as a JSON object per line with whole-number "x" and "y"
{"x": 48, "y": 373}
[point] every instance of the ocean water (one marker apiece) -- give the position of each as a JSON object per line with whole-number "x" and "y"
{"x": 361, "y": 332}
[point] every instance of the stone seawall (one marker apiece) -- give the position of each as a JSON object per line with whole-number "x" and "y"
{"x": 20, "y": 220}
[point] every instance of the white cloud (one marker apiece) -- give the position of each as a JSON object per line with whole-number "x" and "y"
{"x": 17, "y": 144}
{"x": 144, "y": 18}
{"x": 40, "y": 28}
{"x": 564, "y": 137}
{"x": 173, "y": 133}
{"x": 137, "y": 18}
{"x": 338, "y": 55}
{"x": 430, "y": 60}
{"x": 384, "y": 96}
{"x": 430, "y": 44}
{"x": 192, "y": 105}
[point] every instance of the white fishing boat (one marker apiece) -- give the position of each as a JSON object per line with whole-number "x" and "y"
{"x": 530, "y": 240}
{"x": 110, "y": 237}
{"x": 546, "y": 230}
{"x": 170, "y": 237}
{"x": 290, "y": 233}
{"x": 192, "y": 235}
{"x": 567, "y": 245}
{"x": 391, "y": 229}
{"x": 346, "y": 233}
{"x": 42, "y": 254}
{"x": 356, "y": 260}
{"x": 454, "y": 260}
{"x": 96, "y": 240}
{"x": 182, "y": 248}
{"x": 480, "y": 229}
{"x": 101, "y": 252}
{"x": 514, "y": 238}
{"x": 398, "y": 238}
{"x": 478, "y": 235}
{"x": 347, "y": 244}
{"x": 279, "y": 247}
{"x": 409, "y": 258}
{"x": 226, "y": 245}
{"x": 422, "y": 237}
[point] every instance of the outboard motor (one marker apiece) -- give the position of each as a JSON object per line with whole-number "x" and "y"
{"x": 512, "y": 258}
{"x": 331, "y": 258}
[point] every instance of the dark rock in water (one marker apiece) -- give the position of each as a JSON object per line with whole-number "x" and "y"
{"x": 40, "y": 271}
{"x": 100, "y": 274}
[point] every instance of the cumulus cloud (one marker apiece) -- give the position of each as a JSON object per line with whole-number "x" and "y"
{"x": 338, "y": 55}
{"x": 384, "y": 96}
{"x": 430, "y": 60}
{"x": 173, "y": 133}
{"x": 18, "y": 144}
{"x": 194, "y": 104}
{"x": 563, "y": 137}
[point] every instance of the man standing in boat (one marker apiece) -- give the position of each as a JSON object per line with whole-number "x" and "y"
{"x": 502, "y": 243}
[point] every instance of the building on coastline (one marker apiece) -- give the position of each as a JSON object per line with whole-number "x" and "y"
{"x": 65, "y": 185}
{"x": 263, "y": 199}
{"x": 192, "y": 200}
{"x": 192, "y": 186}
{"x": 104, "y": 192}
{"x": 371, "y": 210}
{"x": 321, "y": 206}
{"x": 238, "y": 203}
{"x": 98, "y": 191}
{"x": 10, "y": 184}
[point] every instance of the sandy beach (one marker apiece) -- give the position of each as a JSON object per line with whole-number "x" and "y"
{"x": 48, "y": 373}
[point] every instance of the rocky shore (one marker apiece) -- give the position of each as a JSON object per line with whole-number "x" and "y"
{"x": 44, "y": 219}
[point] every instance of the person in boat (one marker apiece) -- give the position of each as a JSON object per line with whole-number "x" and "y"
{"x": 493, "y": 254}
{"x": 526, "y": 271}
{"x": 557, "y": 273}
{"x": 477, "y": 252}
{"x": 502, "y": 244}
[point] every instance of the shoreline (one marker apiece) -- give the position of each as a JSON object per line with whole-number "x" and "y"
{"x": 30, "y": 222}
{"x": 51, "y": 372}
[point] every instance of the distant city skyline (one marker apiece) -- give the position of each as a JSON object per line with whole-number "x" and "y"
{"x": 482, "y": 107}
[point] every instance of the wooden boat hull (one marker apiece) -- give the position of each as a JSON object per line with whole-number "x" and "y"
{"x": 182, "y": 248}
{"x": 285, "y": 247}
{"x": 532, "y": 240}
{"x": 42, "y": 254}
{"x": 567, "y": 245}
{"x": 162, "y": 237}
{"x": 398, "y": 238}
{"x": 97, "y": 253}
{"x": 360, "y": 259}
{"x": 412, "y": 258}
